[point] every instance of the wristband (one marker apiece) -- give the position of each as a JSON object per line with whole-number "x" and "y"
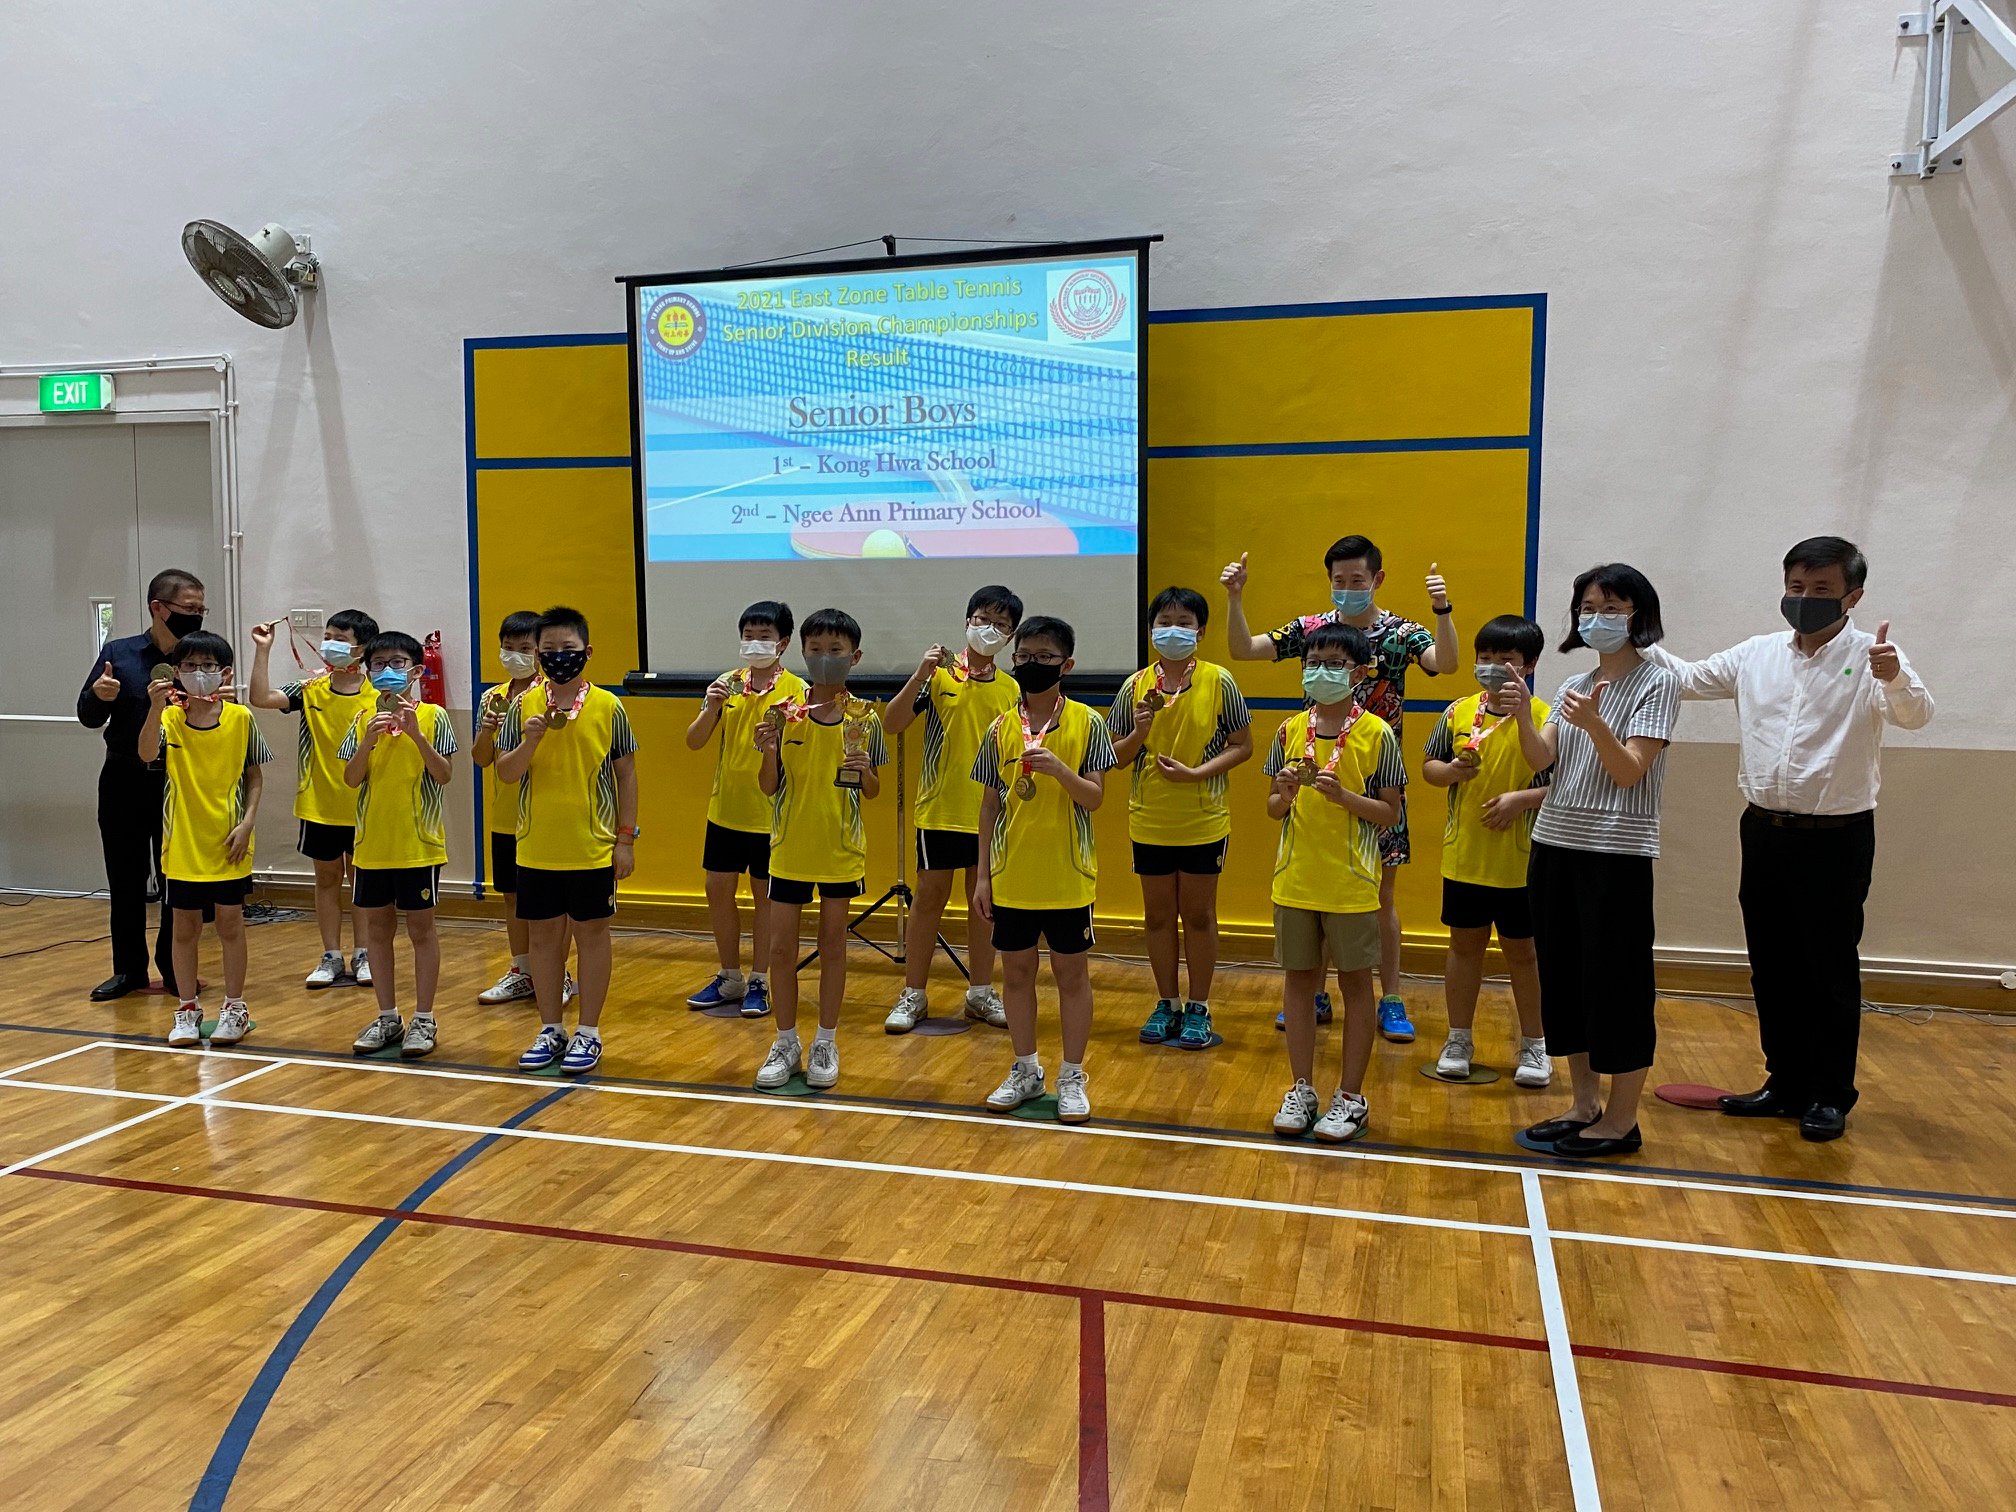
{"x": 1442, "y": 609}
{"x": 628, "y": 834}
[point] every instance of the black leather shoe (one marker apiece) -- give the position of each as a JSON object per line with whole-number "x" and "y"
{"x": 1557, "y": 1128}
{"x": 1823, "y": 1122}
{"x": 1765, "y": 1102}
{"x": 117, "y": 986}
{"x": 1583, "y": 1147}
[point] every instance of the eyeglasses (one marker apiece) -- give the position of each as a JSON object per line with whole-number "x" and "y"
{"x": 395, "y": 664}
{"x": 1046, "y": 658}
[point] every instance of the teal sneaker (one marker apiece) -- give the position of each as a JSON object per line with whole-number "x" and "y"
{"x": 1393, "y": 1021}
{"x": 1161, "y": 1025}
{"x": 1196, "y": 1031}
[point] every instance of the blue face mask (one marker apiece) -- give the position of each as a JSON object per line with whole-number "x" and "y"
{"x": 1327, "y": 685}
{"x": 338, "y": 653}
{"x": 1604, "y": 633}
{"x": 391, "y": 679}
{"x": 1351, "y": 602}
{"x": 1173, "y": 641}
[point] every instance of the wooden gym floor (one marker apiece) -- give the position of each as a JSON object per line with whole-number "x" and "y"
{"x": 279, "y": 1278}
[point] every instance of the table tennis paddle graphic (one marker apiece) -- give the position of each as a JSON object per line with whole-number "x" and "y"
{"x": 925, "y": 539}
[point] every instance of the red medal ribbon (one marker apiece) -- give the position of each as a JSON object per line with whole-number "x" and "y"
{"x": 1170, "y": 695}
{"x": 580, "y": 698}
{"x": 1032, "y": 740}
{"x": 1343, "y": 734}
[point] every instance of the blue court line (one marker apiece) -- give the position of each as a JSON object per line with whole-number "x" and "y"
{"x": 215, "y": 1485}
{"x": 1513, "y": 1156}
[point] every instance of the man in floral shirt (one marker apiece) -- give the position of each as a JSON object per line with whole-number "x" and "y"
{"x": 1356, "y": 571}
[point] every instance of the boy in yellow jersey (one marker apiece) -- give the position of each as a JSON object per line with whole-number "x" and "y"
{"x": 1487, "y": 842}
{"x": 1039, "y": 772}
{"x": 568, "y": 747}
{"x": 209, "y": 810}
{"x": 397, "y": 760}
{"x": 818, "y": 761}
{"x": 959, "y": 698}
{"x": 328, "y": 703}
{"x": 1182, "y": 725}
{"x": 738, "y": 815}
{"x": 1338, "y": 781}
{"x": 518, "y": 653}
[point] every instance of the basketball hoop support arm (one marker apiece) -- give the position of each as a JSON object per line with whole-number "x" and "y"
{"x": 1940, "y": 26}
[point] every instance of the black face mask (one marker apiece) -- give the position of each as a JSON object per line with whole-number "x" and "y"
{"x": 1037, "y": 677}
{"x": 1809, "y": 616}
{"x": 180, "y": 624}
{"x": 563, "y": 666}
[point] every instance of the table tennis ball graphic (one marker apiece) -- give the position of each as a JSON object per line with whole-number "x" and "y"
{"x": 883, "y": 543}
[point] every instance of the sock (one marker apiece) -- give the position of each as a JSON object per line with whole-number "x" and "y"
{"x": 553, "y": 1024}
{"x": 518, "y": 965}
{"x": 191, "y": 1005}
{"x": 731, "y": 978}
{"x": 591, "y": 1033}
{"x": 1030, "y": 1061}
{"x": 1201, "y": 1004}
{"x": 825, "y": 1036}
{"x": 231, "y": 1002}
{"x": 1071, "y": 1068}
{"x": 787, "y": 1034}
{"x": 758, "y": 978}
{"x": 423, "y": 1013}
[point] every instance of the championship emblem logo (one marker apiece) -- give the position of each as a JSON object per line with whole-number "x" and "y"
{"x": 1086, "y": 305}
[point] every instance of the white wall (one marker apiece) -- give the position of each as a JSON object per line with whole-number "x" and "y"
{"x": 1755, "y": 334}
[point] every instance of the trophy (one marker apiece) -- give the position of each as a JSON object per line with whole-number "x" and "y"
{"x": 854, "y": 735}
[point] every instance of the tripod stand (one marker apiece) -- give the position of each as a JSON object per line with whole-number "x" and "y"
{"x": 898, "y": 893}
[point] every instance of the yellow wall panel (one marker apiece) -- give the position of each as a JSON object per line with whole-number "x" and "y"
{"x": 1340, "y": 377}
{"x": 552, "y": 401}
{"x": 558, "y": 535}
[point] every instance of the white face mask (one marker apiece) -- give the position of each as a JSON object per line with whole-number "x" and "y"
{"x": 519, "y": 663}
{"x": 985, "y": 640}
{"x": 202, "y": 682}
{"x": 760, "y": 653}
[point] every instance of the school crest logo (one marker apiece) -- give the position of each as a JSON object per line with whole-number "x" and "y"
{"x": 1086, "y": 305}
{"x": 675, "y": 325}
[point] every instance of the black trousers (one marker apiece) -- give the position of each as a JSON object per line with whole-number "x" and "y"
{"x": 129, "y": 829}
{"x": 1802, "y": 895}
{"x": 1592, "y": 928}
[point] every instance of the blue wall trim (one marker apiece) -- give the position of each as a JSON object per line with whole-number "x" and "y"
{"x": 1339, "y": 448}
{"x": 516, "y": 464}
{"x": 1350, "y": 307}
{"x": 229, "y": 1455}
{"x": 585, "y": 338}
{"x": 469, "y": 348}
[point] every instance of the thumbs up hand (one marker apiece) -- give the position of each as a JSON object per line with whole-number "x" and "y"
{"x": 1438, "y": 590}
{"x": 1583, "y": 710}
{"x": 1234, "y": 575}
{"x": 1884, "y": 663}
{"x": 105, "y": 686}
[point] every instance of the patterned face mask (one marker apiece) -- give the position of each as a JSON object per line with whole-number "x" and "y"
{"x": 563, "y": 666}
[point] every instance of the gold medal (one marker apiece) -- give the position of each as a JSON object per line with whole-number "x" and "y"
{"x": 1025, "y": 787}
{"x": 388, "y": 703}
{"x": 775, "y": 717}
{"x": 1155, "y": 699}
{"x": 557, "y": 719}
{"x": 162, "y": 673}
{"x": 1303, "y": 767}
{"x": 1468, "y": 756}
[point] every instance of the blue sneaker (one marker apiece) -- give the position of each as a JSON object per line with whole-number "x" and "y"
{"x": 711, "y": 996}
{"x": 582, "y": 1055}
{"x": 756, "y": 1001}
{"x": 1393, "y": 1021}
{"x": 1196, "y": 1031}
{"x": 545, "y": 1049}
{"x": 1324, "y": 1012}
{"x": 1161, "y": 1025}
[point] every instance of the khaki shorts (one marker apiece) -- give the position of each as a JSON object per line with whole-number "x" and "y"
{"x": 1301, "y": 933}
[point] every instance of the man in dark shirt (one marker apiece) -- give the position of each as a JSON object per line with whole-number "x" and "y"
{"x": 114, "y": 698}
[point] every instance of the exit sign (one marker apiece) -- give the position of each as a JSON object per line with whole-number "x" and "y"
{"x": 76, "y": 391}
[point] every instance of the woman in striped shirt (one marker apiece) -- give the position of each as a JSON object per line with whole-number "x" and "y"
{"x": 1590, "y": 877}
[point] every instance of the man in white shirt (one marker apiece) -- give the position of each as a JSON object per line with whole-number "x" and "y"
{"x": 1812, "y": 705}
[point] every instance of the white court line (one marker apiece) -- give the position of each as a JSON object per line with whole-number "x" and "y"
{"x": 1561, "y": 1353}
{"x": 48, "y": 1060}
{"x": 155, "y": 1112}
{"x": 1103, "y": 1131}
{"x": 1729, "y": 1252}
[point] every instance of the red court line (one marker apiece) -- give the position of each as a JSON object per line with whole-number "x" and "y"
{"x": 1093, "y": 1494}
{"x": 1086, "y": 1294}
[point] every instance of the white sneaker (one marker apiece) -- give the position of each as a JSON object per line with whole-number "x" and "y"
{"x": 983, "y": 1005}
{"x": 1535, "y": 1069}
{"x": 1024, "y": 1084}
{"x": 328, "y": 971}
{"x": 234, "y": 1022}
{"x": 823, "y": 1070}
{"x": 188, "y": 1028}
{"x": 1455, "y": 1061}
{"x": 360, "y": 968}
{"x": 568, "y": 991}
{"x": 420, "y": 1037}
{"x": 513, "y": 987}
{"x": 1073, "y": 1106}
{"x": 1346, "y": 1119}
{"x": 386, "y": 1029}
{"x": 909, "y": 1012}
{"x": 782, "y": 1063}
{"x": 1298, "y": 1110}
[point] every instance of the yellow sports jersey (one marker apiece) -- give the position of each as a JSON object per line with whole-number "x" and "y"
{"x": 500, "y": 798}
{"x": 737, "y": 802}
{"x": 205, "y": 795}
{"x": 1470, "y": 852}
{"x": 816, "y": 834}
{"x": 567, "y": 797}
{"x": 1328, "y": 858}
{"x": 321, "y": 796}
{"x": 399, "y": 803}
{"x": 1041, "y": 853}
{"x": 1191, "y": 728}
{"x": 957, "y": 713}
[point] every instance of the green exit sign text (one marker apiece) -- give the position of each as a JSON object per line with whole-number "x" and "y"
{"x": 76, "y": 391}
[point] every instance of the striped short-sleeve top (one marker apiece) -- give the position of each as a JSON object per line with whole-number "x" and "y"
{"x": 1585, "y": 808}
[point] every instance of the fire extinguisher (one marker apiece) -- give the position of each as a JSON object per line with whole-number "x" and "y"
{"x": 433, "y": 677}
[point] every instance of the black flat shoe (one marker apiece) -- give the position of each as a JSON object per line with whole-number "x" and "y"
{"x": 1557, "y": 1128}
{"x": 1765, "y": 1102}
{"x": 1581, "y": 1147}
{"x": 117, "y": 986}
{"x": 1823, "y": 1122}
